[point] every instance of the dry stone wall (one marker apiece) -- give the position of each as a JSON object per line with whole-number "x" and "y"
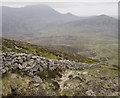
{"x": 33, "y": 64}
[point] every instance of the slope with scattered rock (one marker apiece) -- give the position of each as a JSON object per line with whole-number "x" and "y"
{"x": 31, "y": 74}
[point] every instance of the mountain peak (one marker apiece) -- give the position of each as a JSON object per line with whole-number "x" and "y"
{"x": 69, "y": 13}
{"x": 104, "y": 16}
{"x": 39, "y": 5}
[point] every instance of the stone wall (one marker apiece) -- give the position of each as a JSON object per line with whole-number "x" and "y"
{"x": 33, "y": 64}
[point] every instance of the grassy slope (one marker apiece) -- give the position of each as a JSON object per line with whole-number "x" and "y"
{"x": 22, "y": 47}
{"x": 24, "y": 85}
{"x": 107, "y": 52}
{"x": 103, "y": 46}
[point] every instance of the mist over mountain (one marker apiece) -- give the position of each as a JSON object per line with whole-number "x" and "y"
{"x": 97, "y": 24}
{"x": 32, "y": 18}
{"x": 41, "y": 23}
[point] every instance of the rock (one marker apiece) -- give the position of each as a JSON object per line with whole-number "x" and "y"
{"x": 8, "y": 58}
{"x": 45, "y": 66}
{"x": 85, "y": 73}
{"x": 24, "y": 65}
{"x": 31, "y": 74}
{"x": 36, "y": 85}
{"x": 34, "y": 64}
{"x": 3, "y": 71}
{"x": 38, "y": 61}
{"x": 96, "y": 76}
{"x": 16, "y": 47}
{"x": 34, "y": 57}
{"x": 14, "y": 61}
{"x": 13, "y": 76}
{"x": 82, "y": 85}
{"x": 15, "y": 66}
{"x": 37, "y": 79}
{"x": 19, "y": 66}
{"x": 20, "y": 61}
{"x": 19, "y": 58}
{"x": 40, "y": 68}
{"x": 36, "y": 68}
{"x": 24, "y": 58}
{"x": 1, "y": 67}
{"x": 31, "y": 62}
{"x": 92, "y": 65}
{"x": 90, "y": 93}
{"x": 8, "y": 64}
{"x": 98, "y": 71}
{"x": 77, "y": 77}
{"x": 6, "y": 68}
{"x": 52, "y": 67}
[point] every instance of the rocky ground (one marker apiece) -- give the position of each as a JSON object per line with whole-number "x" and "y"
{"x": 31, "y": 70}
{"x": 28, "y": 75}
{"x": 33, "y": 64}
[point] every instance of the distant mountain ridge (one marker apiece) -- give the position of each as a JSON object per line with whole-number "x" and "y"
{"x": 101, "y": 19}
{"x": 102, "y": 23}
{"x": 34, "y": 18}
{"x": 39, "y": 21}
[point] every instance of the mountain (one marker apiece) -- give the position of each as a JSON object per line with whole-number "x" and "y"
{"x": 63, "y": 45}
{"x": 41, "y": 24}
{"x": 32, "y": 18}
{"x": 101, "y": 20}
{"x": 97, "y": 24}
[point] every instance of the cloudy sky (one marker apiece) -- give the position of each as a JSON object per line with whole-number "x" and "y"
{"x": 77, "y": 7}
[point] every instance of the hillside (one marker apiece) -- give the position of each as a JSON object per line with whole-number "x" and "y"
{"x": 28, "y": 73}
{"x": 102, "y": 24}
{"x": 22, "y": 47}
{"x": 47, "y": 53}
{"x": 32, "y": 18}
